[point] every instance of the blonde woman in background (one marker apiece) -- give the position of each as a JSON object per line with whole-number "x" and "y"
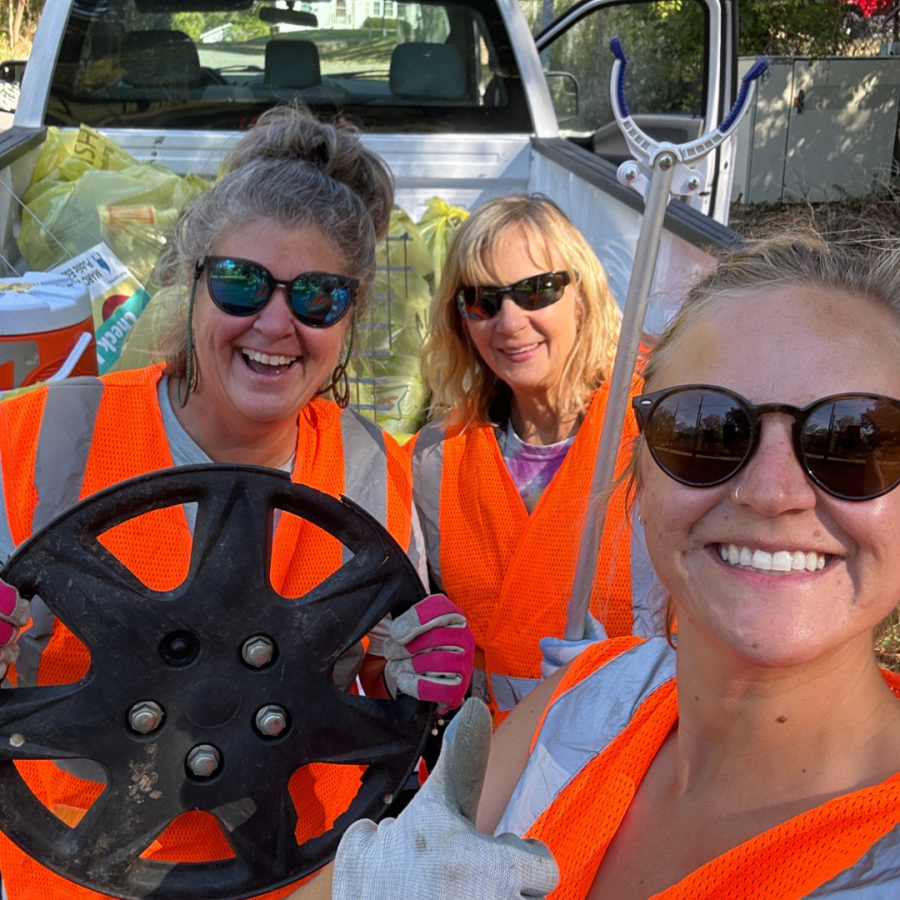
{"x": 522, "y": 337}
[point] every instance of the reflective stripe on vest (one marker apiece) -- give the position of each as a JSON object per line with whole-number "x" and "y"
{"x": 581, "y": 723}
{"x": 365, "y": 471}
{"x": 64, "y": 444}
{"x": 427, "y": 465}
{"x": 509, "y": 692}
{"x": 875, "y": 877}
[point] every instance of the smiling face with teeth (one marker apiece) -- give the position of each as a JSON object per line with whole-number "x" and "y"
{"x": 766, "y": 567}
{"x": 257, "y": 372}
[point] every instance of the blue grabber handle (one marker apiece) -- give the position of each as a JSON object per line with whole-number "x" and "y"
{"x": 755, "y": 71}
{"x": 643, "y": 145}
{"x": 619, "y": 53}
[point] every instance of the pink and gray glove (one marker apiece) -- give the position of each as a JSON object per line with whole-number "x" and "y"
{"x": 14, "y": 615}
{"x": 430, "y": 653}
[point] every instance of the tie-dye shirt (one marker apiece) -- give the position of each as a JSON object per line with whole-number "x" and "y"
{"x": 532, "y": 466}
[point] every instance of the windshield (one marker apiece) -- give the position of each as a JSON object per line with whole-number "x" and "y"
{"x": 385, "y": 66}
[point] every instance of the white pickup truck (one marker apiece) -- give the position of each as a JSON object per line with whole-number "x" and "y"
{"x": 457, "y": 95}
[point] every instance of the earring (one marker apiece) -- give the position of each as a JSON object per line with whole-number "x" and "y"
{"x": 340, "y": 385}
{"x": 190, "y": 378}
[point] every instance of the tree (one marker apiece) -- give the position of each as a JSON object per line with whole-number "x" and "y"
{"x": 804, "y": 27}
{"x": 21, "y": 20}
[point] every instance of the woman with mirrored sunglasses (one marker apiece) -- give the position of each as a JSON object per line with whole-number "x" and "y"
{"x": 266, "y": 274}
{"x": 754, "y": 752}
{"x": 522, "y": 335}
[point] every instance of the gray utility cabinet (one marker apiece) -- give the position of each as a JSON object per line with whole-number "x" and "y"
{"x": 818, "y": 129}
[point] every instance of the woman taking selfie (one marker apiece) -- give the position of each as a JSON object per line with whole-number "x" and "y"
{"x": 522, "y": 335}
{"x": 275, "y": 263}
{"x": 755, "y": 754}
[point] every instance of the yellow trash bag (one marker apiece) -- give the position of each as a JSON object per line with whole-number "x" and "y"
{"x": 86, "y": 189}
{"x": 437, "y": 226}
{"x": 388, "y": 386}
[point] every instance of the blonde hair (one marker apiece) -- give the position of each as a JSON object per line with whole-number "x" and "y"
{"x": 868, "y": 269}
{"x": 460, "y": 381}
{"x": 294, "y": 170}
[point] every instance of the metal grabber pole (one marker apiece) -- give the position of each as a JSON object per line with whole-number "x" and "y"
{"x": 659, "y": 170}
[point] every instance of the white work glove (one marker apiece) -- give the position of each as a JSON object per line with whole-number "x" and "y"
{"x": 558, "y": 651}
{"x": 14, "y": 615}
{"x": 432, "y": 850}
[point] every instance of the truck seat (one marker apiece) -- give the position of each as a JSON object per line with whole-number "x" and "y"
{"x": 422, "y": 71}
{"x": 292, "y": 64}
{"x": 161, "y": 59}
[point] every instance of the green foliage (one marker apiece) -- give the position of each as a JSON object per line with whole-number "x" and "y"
{"x": 814, "y": 28}
{"x": 664, "y": 41}
{"x": 245, "y": 25}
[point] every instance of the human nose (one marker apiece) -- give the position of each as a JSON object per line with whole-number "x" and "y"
{"x": 276, "y": 320}
{"x": 773, "y": 481}
{"x": 510, "y": 317}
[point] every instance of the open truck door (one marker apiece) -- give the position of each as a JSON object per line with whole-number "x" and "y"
{"x": 682, "y": 79}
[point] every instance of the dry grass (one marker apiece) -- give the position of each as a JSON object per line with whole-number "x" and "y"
{"x": 875, "y": 215}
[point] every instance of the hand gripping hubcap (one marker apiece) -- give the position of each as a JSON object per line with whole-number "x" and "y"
{"x": 237, "y": 715}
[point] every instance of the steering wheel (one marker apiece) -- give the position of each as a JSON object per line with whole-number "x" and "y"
{"x": 241, "y": 678}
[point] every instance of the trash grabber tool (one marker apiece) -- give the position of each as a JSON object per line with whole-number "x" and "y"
{"x": 658, "y": 171}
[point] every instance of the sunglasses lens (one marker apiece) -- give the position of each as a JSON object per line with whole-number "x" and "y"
{"x": 541, "y": 291}
{"x": 238, "y": 287}
{"x": 699, "y": 437}
{"x": 320, "y": 300}
{"x": 852, "y": 446}
{"x": 478, "y": 303}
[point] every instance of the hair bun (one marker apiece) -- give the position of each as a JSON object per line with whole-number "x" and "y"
{"x": 293, "y": 134}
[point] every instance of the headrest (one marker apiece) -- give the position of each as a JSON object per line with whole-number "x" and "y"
{"x": 432, "y": 71}
{"x": 160, "y": 59}
{"x": 292, "y": 64}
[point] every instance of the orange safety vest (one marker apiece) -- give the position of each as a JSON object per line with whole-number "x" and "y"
{"x": 598, "y": 736}
{"x": 511, "y": 572}
{"x": 62, "y": 443}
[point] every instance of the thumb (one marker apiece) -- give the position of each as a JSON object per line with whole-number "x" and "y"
{"x": 459, "y": 774}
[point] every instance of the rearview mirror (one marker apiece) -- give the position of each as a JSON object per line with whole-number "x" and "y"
{"x": 277, "y": 16}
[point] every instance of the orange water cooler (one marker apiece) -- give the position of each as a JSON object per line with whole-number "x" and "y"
{"x": 46, "y": 330}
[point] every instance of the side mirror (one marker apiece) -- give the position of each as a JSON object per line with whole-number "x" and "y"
{"x": 12, "y": 70}
{"x": 11, "y": 73}
{"x": 564, "y": 94}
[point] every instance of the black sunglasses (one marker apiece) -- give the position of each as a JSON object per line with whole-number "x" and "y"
{"x": 240, "y": 287}
{"x": 535, "y": 292}
{"x": 848, "y": 444}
